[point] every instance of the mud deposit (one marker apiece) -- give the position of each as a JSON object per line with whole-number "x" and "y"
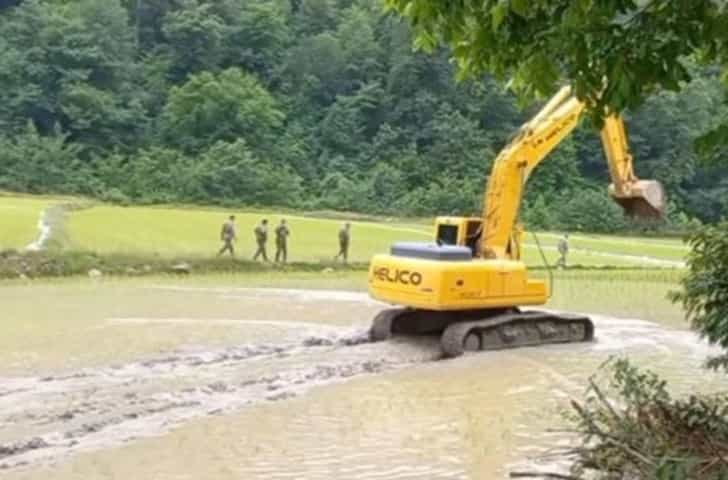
{"x": 45, "y": 419}
{"x": 284, "y": 395}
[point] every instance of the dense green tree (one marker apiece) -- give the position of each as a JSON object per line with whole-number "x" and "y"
{"x": 347, "y": 126}
{"x": 33, "y": 163}
{"x": 457, "y": 146}
{"x": 228, "y": 106}
{"x": 558, "y": 177}
{"x": 314, "y": 69}
{"x": 194, "y": 35}
{"x": 257, "y": 41}
{"x": 315, "y": 16}
{"x": 148, "y": 18}
{"x": 9, "y": 3}
{"x": 359, "y": 46}
{"x": 330, "y": 91}
{"x": 340, "y": 192}
{"x": 232, "y": 172}
{"x": 49, "y": 55}
{"x": 590, "y": 210}
{"x": 153, "y": 175}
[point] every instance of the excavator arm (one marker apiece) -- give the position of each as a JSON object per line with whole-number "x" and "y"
{"x": 536, "y": 139}
{"x": 639, "y": 198}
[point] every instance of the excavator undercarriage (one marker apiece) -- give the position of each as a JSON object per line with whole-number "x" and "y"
{"x": 488, "y": 329}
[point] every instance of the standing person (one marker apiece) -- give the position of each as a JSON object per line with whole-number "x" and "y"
{"x": 563, "y": 250}
{"x": 344, "y": 238}
{"x": 261, "y": 238}
{"x": 282, "y": 233}
{"x": 227, "y": 235}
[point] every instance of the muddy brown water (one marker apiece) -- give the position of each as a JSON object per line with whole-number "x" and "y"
{"x": 170, "y": 381}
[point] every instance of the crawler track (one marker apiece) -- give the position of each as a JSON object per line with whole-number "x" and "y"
{"x": 484, "y": 329}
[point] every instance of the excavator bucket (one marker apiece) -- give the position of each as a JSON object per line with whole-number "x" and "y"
{"x": 644, "y": 199}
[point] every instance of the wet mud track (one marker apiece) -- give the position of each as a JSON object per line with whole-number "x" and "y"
{"x": 44, "y": 420}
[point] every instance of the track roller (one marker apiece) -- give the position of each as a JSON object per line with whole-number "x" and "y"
{"x": 513, "y": 330}
{"x": 477, "y": 330}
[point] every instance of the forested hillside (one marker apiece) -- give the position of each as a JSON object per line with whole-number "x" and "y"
{"x": 300, "y": 103}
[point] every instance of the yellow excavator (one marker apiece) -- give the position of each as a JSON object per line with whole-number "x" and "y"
{"x": 468, "y": 285}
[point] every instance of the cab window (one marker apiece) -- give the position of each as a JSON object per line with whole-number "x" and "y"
{"x": 447, "y": 234}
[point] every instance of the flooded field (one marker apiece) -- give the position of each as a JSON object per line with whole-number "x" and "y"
{"x": 177, "y": 380}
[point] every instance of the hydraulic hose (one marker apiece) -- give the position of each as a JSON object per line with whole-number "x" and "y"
{"x": 546, "y": 264}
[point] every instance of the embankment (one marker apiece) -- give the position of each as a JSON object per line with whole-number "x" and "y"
{"x": 66, "y": 263}
{"x": 52, "y": 263}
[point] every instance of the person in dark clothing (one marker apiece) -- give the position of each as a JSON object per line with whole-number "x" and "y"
{"x": 261, "y": 238}
{"x": 563, "y": 251}
{"x": 282, "y": 233}
{"x": 227, "y": 235}
{"x": 344, "y": 240}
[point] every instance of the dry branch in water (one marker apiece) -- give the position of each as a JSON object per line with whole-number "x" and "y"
{"x": 649, "y": 434}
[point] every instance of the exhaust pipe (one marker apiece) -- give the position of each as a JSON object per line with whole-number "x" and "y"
{"x": 641, "y": 199}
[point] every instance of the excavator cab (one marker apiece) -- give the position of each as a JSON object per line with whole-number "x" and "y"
{"x": 460, "y": 231}
{"x": 641, "y": 199}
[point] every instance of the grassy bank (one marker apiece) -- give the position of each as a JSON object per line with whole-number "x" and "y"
{"x": 626, "y": 293}
{"x": 53, "y": 263}
{"x": 67, "y": 263}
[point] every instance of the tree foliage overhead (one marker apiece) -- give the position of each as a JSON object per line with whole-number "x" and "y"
{"x": 615, "y": 53}
{"x": 327, "y": 102}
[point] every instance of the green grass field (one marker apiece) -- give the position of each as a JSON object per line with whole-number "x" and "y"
{"x": 19, "y": 219}
{"x": 175, "y": 232}
{"x": 194, "y": 232}
{"x": 662, "y": 248}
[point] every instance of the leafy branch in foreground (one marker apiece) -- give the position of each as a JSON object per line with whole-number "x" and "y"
{"x": 704, "y": 292}
{"x": 631, "y": 427}
{"x": 615, "y": 53}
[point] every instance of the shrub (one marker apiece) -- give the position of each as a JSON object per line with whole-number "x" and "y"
{"x": 631, "y": 427}
{"x": 704, "y": 290}
{"x": 591, "y": 210}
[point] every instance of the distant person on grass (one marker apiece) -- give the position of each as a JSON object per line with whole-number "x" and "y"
{"x": 344, "y": 240}
{"x": 261, "y": 238}
{"x": 227, "y": 235}
{"x": 563, "y": 251}
{"x": 282, "y": 233}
